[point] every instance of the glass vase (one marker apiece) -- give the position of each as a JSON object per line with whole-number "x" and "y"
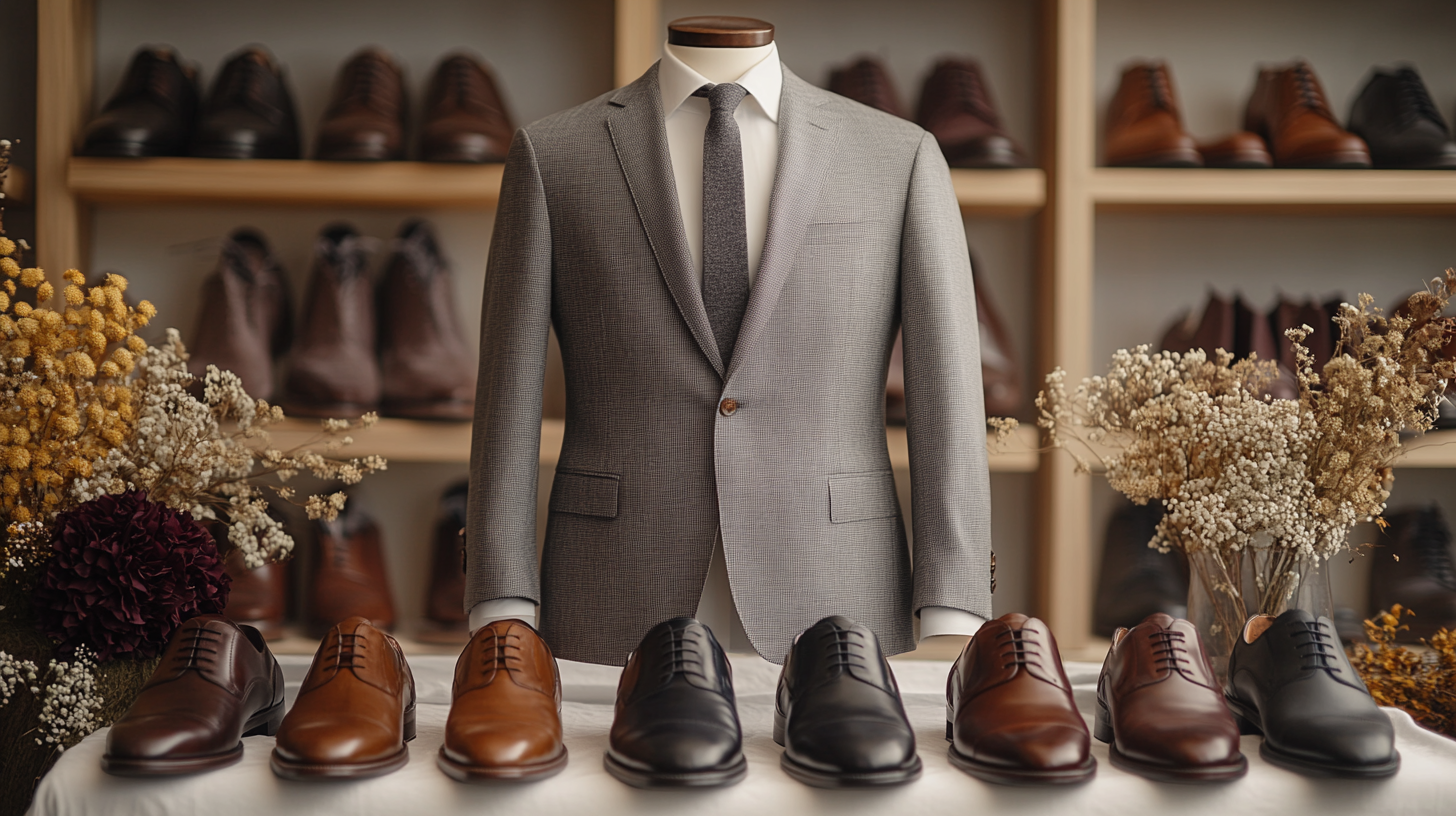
{"x": 1216, "y": 604}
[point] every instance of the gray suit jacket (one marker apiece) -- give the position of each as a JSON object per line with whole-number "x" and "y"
{"x": 864, "y": 235}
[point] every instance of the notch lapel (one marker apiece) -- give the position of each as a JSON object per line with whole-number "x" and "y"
{"x": 640, "y": 140}
{"x": 808, "y": 139}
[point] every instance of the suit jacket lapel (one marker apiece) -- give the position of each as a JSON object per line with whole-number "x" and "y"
{"x": 635, "y": 122}
{"x": 807, "y": 141}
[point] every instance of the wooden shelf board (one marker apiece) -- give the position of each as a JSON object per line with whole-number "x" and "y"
{"x": 1000, "y": 192}
{"x": 405, "y": 440}
{"x": 1436, "y": 449}
{"x": 1392, "y": 191}
{"x": 260, "y": 181}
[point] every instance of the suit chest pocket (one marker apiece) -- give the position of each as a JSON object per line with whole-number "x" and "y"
{"x": 585, "y": 494}
{"x": 862, "y": 496}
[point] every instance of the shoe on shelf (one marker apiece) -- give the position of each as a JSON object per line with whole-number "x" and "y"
{"x": 1289, "y": 110}
{"x": 1395, "y": 116}
{"x": 1414, "y": 568}
{"x": 216, "y": 683}
{"x": 1160, "y": 707}
{"x": 349, "y": 577}
{"x": 1216, "y": 328}
{"x": 838, "y": 713}
{"x": 676, "y": 724}
{"x": 245, "y": 320}
{"x": 505, "y": 710}
{"x": 333, "y": 368}
{"x": 867, "y": 81}
{"x": 365, "y": 120}
{"x": 465, "y": 115}
{"x": 1144, "y": 123}
{"x": 259, "y": 595}
{"x": 1253, "y": 339}
{"x": 445, "y": 597}
{"x": 151, "y": 113}
{"x": 957, "y": 108}
{"x": 1238, "y": 151}
{"x": 1290, "y": 680}
{"x": 425, "y": 365}
{"x": 354, "y": 712}
{"x": 249, "y": 113}
{"x": 1136, "y": 581}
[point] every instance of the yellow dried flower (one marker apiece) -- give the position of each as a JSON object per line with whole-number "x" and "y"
{"x": 68, "y": 426}
{"x": 22, "y": 309}
{"x": 45, "y": 291}
{"x": 4, "y": 302}
{"x": 9, "y": 266}
{"x": 116, "y": 281}
{"x": 31, "y": 277}
{"x": 17, "y": 457}
{"x": 7, "y": 246}
{"x": 81, "y": 364}
{"x": 146, "y": 311}
{"x": 136, "y": 345}
{"x": 110, "y": 369}
{"x": 74, "y": 297}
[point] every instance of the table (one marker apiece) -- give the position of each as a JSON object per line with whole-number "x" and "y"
{"x": 77, "y": 786}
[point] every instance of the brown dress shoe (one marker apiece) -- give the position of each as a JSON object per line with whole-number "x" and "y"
{"x": 355, "y": 710}
{"x": 505, "y": 718}
{"x": 1144, "y": 125}
{"x": 956, "y": 107}
{"x": 333, "y": 371}
{"x": 425, "y": 364}
{"x": 465, "y": 117}
{"x": 1242, "y": 150}
{"x": 249, "y": 112}
{"x": 445, "y": 599}
{"x": 365, "y": 119}
{"x": 349, "y": 578}
{"x": 867, "y": 82}
{"x": 259, "y": 596}
{"x": 1289, "y": 110}
{"x": 1415, "y": 569}
{"x": 152, "y": 111}
{"x": 1216, "y": 328}
{"x": 1010, "y": 716}
{"x": 1253, "y": 339}
{"x": 246, "y": 318}
{"x": 216, "y": 684}
{"x": 1162, "y": 709}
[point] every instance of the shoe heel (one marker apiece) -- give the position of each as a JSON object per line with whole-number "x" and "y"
{"x": 1102, "y": 723}
{"x": 1247, "y": 726}
{"x": 271, "y": 719}
{"x": 409, "y": 723}
{"x": 778, "y": 730}
{"x": 949, "y": 731}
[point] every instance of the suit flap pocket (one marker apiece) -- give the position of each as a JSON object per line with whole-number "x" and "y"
{"x": 585, "y": 494}
{"x": 860, "y": 496}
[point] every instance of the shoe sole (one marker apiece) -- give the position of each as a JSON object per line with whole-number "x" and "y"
{"x": 1189, "y": 774}
{"x": 873, "y": 779}
{"x": 1334, "y": 161}
{"x": 1248, "y": 721}
{"x": 711, "y": 778}
{"x": 1019, "y": 776}
{"x": 264, "y": 723}
{"x": 124, "y": 150}
{"x": 532, "y": 772}
{"x": 306, "y": 771}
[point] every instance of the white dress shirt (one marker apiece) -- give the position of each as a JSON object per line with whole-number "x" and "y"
{"x": 685, "y": 118}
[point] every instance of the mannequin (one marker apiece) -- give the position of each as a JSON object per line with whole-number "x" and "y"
{"x": 720, "y": 48}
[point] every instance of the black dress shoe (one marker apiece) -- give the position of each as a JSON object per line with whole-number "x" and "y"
{"x": 1395, "y": 116}
{"x": 249, "y": 113}
{"x": 676, "y": 724}
{"x": 152, "y": 111}
{"x": 838, "y": 712}
{"x": 1289, "y": 679}
{"x": 1136, "y": 580}
{"x": 1414, "y": 568}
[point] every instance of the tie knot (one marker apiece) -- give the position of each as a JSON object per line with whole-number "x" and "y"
{"x": 725, "y": 96}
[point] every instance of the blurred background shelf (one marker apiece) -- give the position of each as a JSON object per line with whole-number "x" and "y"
{"x": 1000, "y": 192}
{"x": 1370, "y": 191}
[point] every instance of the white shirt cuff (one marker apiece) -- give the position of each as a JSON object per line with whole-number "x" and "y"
{"x": 501, "y": 608}
{"x": 938, "y": 620}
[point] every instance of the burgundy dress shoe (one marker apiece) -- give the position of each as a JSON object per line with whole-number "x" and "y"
{"x": 349, "y": 576}
{"x": 333, "y": 370}
{"x": 246, "y": 316}
{"x": 867, "y": 81}
{"x": 1144, "y": 124}
{"x": 152, "y": 112}
{"x": 217, "y": 683}
{"x": 249, "y": 113}
{"x": 1288, "y": 108}
{"x": 956, "y": 107}
{"x": 365, "y": 120}
{"x": 465, "y": 115}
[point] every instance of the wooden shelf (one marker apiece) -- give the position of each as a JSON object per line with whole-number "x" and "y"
{"x": 1436, "y": 449}
{"x": 1365, "y": 191}
{"x": 405, "y": 440}
{"x": 1000, "y": 192}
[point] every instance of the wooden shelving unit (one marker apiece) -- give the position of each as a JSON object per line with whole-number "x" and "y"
{"x": 1372, "y": 191}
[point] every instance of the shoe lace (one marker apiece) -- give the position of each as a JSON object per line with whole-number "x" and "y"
{"x": 1170, "y": 652}
{"x": 1021, "y": 648}
{"x": 1307, "y": 87}
{"x": 349, "y": 652}
{"x": 1414, "y": 100}
{"x": 1158, "y": 87}
{"x": 154, "y": 80}
{"x": 683, "y": 657}
{"x": 499, "y": 650}
{"x": 1431, "y": 540}
{"x": 244, "y": 83}
{"x": 364, "y": 81}
{"x": 198, "y": 652}
{"x": 845, "y": 651}
{"x": 1317, "y": 650}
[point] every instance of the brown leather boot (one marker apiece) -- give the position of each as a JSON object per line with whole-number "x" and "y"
{"x": 867, "y": 81}
{"x": 259, "y": 596}
{"x": 1144, "y": 124}
{"x": 426, "y": 366}
{"x": 349, "y": 577}
{"x": 1216, "y": 328}
{"x": 956, "y": 106}
{"x": 333, "y": 372}
{"x": 1288, "y": 108}
{"x": 246, "y": 319}
{"x": 365, "y": 120}
{"x": 445, "y": 599}
{"x": 1414, "y": 568}
{"x": 465, "y": 115}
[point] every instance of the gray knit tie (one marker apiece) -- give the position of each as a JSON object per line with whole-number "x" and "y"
{"x": 725, "y": 230}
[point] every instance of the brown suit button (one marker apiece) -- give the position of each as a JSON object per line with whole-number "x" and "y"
{"x": 728, "y": 407}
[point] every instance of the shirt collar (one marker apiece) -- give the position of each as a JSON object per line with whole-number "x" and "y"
{"x": 764, "y": 82}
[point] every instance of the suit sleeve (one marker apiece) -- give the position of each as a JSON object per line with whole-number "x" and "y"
{"x": 945, "y": 411}
{"x": 500, "y": 533}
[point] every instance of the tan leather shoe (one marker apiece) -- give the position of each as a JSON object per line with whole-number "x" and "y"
{"x": 259, "y": 596}
{"x": 355, "y": 709}
{"x": 1288, "y": 108}
{"x": 1242, "y": 150}
{"x": 1010, "y": 716}
{"x": 349, "y": 577}
{"x": 1144, "y": 124}
{"x": 505, "y": 721}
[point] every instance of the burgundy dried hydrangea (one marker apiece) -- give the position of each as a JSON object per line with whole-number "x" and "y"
{"x": 126, "y": 572}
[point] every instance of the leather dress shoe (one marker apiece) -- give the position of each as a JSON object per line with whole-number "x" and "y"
{"x": 349, "y": 578}
{"x": 259, "y": 595}
{"x": 956, "y": 107}
{"x": 216, "y": 683}
{"x": 425, "y": 365}
{"x": 1215, "y": 328}
{"x": 1238, "y": 151}
{"x": 1290, "y": 680}
{"x": 1135, "y": 580}
{"x": 333, "y": 369}
{"x": 445, "y": 597}
{"x": 675, "y": 723}
{"x": 1144, "y": 125}
{"x": 1253, "y": 339}
{"x": 152, "y": 111}
{"x": 1288, "y": 108}
{"x": 505, "y": 718}
{"x": 838, "y": 713}
{"x": 246, "y": 314}
{"x": 1395, "y": 116}
{"x": 867, "y": 81}
{"x": 1161, "y": 708}
{"x": 249, "y": 113}
{"x": 1010, "y": 716}
{"x": 465, "y": 115}
{"x": 1415, "y": 569}
{"x": 365, "y": 120}
{"x": 354, "y": 712}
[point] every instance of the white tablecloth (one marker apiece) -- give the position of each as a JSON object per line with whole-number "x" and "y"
{"x": 1426, "y": 783}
